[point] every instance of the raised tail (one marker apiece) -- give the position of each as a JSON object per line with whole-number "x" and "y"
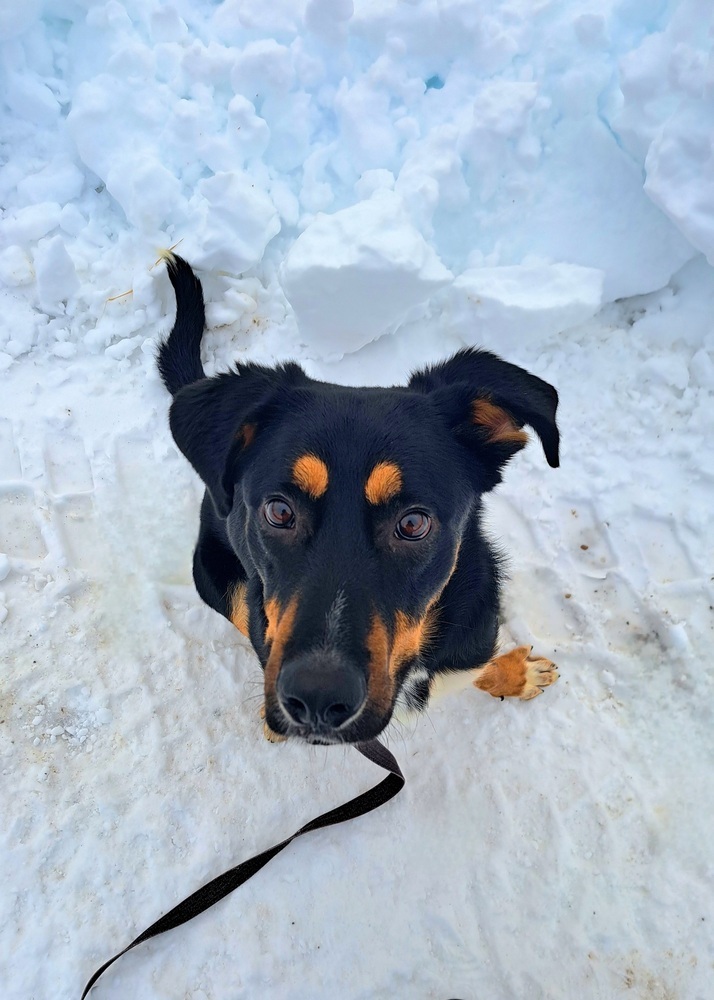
{"x": 179, "y": 357}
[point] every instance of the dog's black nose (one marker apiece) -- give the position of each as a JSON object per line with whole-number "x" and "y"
{"x": 320, "y": 690}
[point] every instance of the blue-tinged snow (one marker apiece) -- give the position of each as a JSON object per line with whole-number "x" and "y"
{"x": 364, "y": 187}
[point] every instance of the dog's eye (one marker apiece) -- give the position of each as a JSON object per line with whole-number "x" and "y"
{"x": 413, "y": 526}
{"x": 279, "y": 514}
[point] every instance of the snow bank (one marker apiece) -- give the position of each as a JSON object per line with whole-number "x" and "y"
{"x": 260, "y": 140}
{"x": 523, "y": 304}
{"x": 385, "y": 180}
{"x": 667, "y": 118}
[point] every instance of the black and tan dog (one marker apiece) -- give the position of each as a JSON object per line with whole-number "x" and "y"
{"x": 340, "y": 529}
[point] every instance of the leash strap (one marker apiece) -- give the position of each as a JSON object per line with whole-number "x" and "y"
{"x": 224, "y": 884}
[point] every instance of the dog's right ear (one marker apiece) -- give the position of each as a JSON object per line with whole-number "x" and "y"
{"x": 486, "y": 401}
{"x": 215, "y": 418}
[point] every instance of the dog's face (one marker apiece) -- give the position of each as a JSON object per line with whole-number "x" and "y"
{"x": 347, "y": 508}
{"x": 345, "y": 515}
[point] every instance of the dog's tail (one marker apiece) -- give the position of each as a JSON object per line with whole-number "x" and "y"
{"x": 179, "y": 357}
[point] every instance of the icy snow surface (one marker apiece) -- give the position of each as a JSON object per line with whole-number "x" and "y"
{"x": 365, "y": 187}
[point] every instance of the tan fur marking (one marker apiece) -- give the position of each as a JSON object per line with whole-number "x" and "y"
{"x": 384, "y": 663}
{"x": 379, "y": 683}
{"x": 500, "y": 427}
{"x": 272, "y": 613}
{"x": 409, "y": 637}
{"x": 516, "y": 675}
{"x": 270, "y": 734}
{"x": 410, "y": 634}
{"x": 278, "y": 633}
{"x": 311, "y": 476}
{"x": 437, "y": 597}
{"x": 246, "y": 434}
{"x": 239, "y": 609}
{"x": 384, "y": 482}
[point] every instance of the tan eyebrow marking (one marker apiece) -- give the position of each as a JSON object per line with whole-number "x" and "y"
{"x": 384, "y": 482}
{"x": 310, "y": 475}
{"x": 498, "y": 424}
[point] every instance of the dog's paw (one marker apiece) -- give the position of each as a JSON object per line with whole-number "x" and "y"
{"x": 540, "y": 674}
{"x": 516, "y": 675}
{"x": 268, "y": 733}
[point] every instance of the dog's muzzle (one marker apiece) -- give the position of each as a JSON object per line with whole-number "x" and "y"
{"x": 321, "y": 693}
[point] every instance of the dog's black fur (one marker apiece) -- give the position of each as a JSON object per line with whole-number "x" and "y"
{"x": 347, "y": 614}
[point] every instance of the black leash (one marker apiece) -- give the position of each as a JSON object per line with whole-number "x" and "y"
{"x": 222, "y": 885}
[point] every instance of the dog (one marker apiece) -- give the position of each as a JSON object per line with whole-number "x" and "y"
{"x": 340, "y": 529}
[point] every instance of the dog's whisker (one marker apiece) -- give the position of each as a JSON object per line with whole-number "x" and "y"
{"x": 251, "y": 700}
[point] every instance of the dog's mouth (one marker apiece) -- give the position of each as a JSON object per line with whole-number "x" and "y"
{"x": 327, "y": 739}
{"x": 322, "y": 741}
{"x": 365, "y": 727}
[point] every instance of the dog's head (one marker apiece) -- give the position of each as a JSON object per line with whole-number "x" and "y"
{"x": 347, "y": 508}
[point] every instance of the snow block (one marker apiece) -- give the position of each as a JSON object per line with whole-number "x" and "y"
{"x": 666, "y": 119}
{"x": 500, "y": 307}
{"x": 29, "y": 224}
{"x": 15, "y": 18}
{"x": 680, "y": 173}
{"x": 15, "y": 267}
{"x": 56, "y": 277}
{"x": 352, "y": 276}
{"x": 233, "y": 221}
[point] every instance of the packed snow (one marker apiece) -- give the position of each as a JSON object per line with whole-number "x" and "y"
{"x": 364, "y": 186}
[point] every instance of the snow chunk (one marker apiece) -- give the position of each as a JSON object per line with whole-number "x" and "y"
{"x": 671, "y": 370}
{"x": 667, "y": 119}
{"x": 262, "y": 67}
{"x": 18, "y": 330}
{"x": 232, "y": 17}
{"x": 701, "y": 368}
{"x": 501, "y": 306}
{"x": 15, "y": 267}
{"x": 60, "y": 181}
{"x": 64, "y": 349}
{"x": 328, "y": 18}
{"x": 17, "y": 17}
{"x": 146, "y": 190}
{"x": 31, "y": 223}
{"x": 680, "y": 174}
{"x": 167, "y": 25}
{"x": 31, "y": 99}
{"x": 56, "y": 277}
{"x": 235, "y": 219}
{"x": 106, "y": 111}
{"x": 71, "y": 220}
{"x": 351, "y": 276}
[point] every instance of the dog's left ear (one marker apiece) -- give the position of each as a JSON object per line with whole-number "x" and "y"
{"x": 487, "y": 401}
{"x": 215, "y": 420}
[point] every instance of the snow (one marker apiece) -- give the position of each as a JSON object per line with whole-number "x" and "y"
{"x": 364, "y": 186}
{"x": 667, "y": 115}
{"x": 526, "y": 301}
{"x": 352, "y": 275}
